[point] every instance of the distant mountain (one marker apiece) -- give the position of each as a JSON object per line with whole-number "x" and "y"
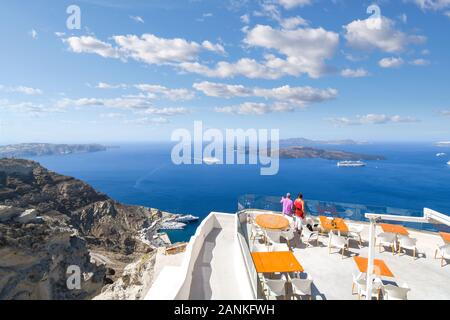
{"x": 308, "y": 142}
{"x": 45, "y": 149}
{"x": 297, "y": 152}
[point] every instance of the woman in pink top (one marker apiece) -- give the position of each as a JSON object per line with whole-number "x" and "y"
{"x": 287, "y": 204}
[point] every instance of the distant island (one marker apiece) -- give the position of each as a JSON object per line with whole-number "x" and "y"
{"x": 300, "y": 152}
{"x": 308, "y": 142}
{"x": 47, "y": 149}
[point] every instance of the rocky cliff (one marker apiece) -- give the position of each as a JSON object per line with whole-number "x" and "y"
{"x": 49, "y": 222}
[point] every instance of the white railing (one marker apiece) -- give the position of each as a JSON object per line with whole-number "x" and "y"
{"x": 174, "y": 283}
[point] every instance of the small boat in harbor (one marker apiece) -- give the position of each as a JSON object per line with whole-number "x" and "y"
{"x": 351, "y": 164}
{"x": 441, "y": 154}
{"x": 187, "y": 218}
{"x": 448, "y": 163}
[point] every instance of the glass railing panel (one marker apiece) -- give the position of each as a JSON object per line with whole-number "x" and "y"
{"x": 349, "y": 211}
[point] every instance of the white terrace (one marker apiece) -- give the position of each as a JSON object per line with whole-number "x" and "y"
{"x": 217, "y": 264}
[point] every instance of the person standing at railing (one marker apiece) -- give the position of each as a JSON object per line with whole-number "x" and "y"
{"x": 299, "y": 206}
{"x": 287, "y": 204}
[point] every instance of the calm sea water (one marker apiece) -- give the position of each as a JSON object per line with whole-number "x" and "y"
{"x": 139, "y": 174}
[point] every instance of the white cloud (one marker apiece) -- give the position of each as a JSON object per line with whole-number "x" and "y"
{"x": 447, "y": 13}
{"x": 153, "y": 50}
{"x": 295, "y": 96}
{"x": 147, "y": 48}
{"x": 119, "y": 103}
{"x": 165, "y": 111}
{"x": 22, "y": 89}
{"x": 306, "y": 49}
{"x": 245, "y": 19}
{"x": 141, "y": 105}
{"x": 293, "y": 22}
{"x": 218, "y": 48}
{"x": 391, "y": 62}
{"x": 172, "y": 94}
{"x": 354, "y": 73}
{"x": 305, "y": 52}
{"x": 363, "y": 34}
{"x": 289, "y": 4}
{"x": 221, "y": 90}
{"x": 26, "y": 107}
{"x": 445, "y": 113}
{"x": 89, "y": 44}
{"x": 152, "y": 91}
{"x": 34, "y": 34}
{"x": 137, "y": 19}
{"x": 253, "y": 108}
{"x": 147, "y": 121}
{"x": 372, "y": 119}
{"x": 103, "y": 85}
{"x": 420, "y": 62}
{"x": 432, "y": 4}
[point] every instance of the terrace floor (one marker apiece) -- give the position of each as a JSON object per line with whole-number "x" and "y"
{"x": 332, "y": 275}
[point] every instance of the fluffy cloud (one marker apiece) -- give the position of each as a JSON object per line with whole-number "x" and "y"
{"x": 289, "y": 4}
{"x": 372, "y": 119}
{"x": 354, "y": 73}
{"x": 147, "y": 48}
{"x": 218, "y": 48}
{"x": 89, "y": 44}
{"x": 364, "y": 34}
{"x": 21, "y": 89}
{"x": 137, "y": 19}
{"x": 165, "y": 111}
{"x": 253, "y": 108}
{"x": 152, "y": 91}
{"x": 245, "y": 19}
{"x": 127, "y": 103}
{"x": 295, "y": 96}
{"x": 172, "y": 94}
{"x": 28, "y": 108}
{"x": 136, "y": 104}
{"x": 432, "y": 4}
{"x": 147, "y": 121}
{"x": 305, "y": 51}
{"x": 445, "y": 113}
{"x": 391, "y": 62}
{"x": 103, "y": 85}
{"x": 293, "y": 22}
{"x": 420, "y": 62}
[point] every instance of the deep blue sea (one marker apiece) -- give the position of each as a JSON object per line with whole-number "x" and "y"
{"x": 412, "y": 177}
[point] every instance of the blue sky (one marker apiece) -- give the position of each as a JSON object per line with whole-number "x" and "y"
{"x": 137, "y": 70}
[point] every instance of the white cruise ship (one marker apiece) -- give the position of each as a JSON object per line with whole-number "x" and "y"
{"x": 351, "y": 164}
{"x": 210, "y": 161}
